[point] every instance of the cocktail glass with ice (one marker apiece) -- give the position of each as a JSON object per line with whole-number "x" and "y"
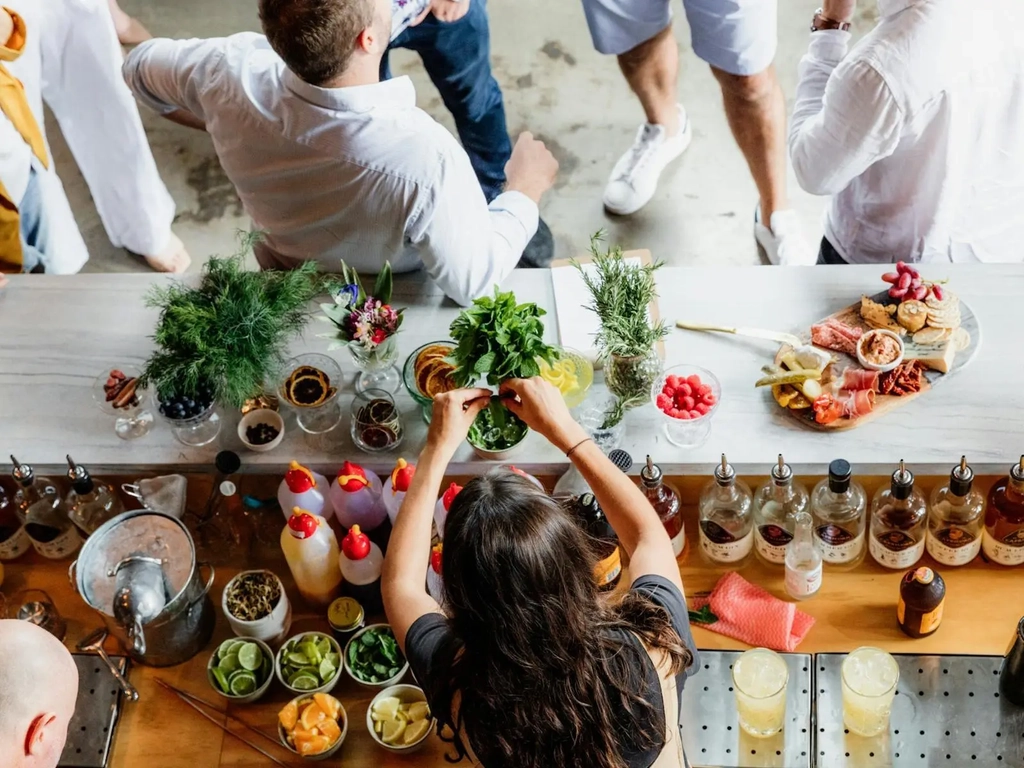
{"x": 760, "y": 677}
{"x": 870, "y": 676}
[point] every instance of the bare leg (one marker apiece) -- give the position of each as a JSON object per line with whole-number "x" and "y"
{"x": 756, "y": 110}
{"x": 173, "y": 258}
{"x": 129, "y": 30}
{"x": 652, "y": 71}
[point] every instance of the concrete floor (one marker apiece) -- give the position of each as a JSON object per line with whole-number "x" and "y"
{"x": 555, "y": 85}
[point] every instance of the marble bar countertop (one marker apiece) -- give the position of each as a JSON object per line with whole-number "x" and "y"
{"x": 57, "y": 333}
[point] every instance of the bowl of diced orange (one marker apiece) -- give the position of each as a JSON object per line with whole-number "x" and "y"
{"x": 313, "y": 726}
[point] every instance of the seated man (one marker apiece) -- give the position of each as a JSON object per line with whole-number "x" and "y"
{"x": 917, "y": 133}
{"x": 66, "y": 53}
{"x": 333, "y": 164}
{"x": 38, "y": 690}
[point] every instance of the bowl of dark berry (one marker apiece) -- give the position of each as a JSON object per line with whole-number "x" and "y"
{"x": 192, "y": 415}
{"x": 261, "y": 430}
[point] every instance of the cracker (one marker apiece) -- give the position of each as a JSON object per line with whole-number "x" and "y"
{"x": 961, "y": 339}
{"x": 932, "y": 335}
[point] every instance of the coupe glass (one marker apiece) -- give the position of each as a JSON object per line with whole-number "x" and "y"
{"x": 131, "y": 421}
{"x": 687, "y": 433}
{"x": 377, "y": 369}
{"x": 322, "y": 417}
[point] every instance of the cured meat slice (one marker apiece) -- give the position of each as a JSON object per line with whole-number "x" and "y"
{"x": 904, "y": 379}
{"x": 855, "y": 379}
{"x": 859, "y": 403}
{"x": 833, "y": 334}
{"x": 827, "y": 409}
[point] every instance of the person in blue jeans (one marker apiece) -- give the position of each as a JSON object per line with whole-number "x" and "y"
{"x": 453, "y": 40}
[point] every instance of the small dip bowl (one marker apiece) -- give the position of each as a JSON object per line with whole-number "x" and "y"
{"x": 874, "y": 365}
{"x": 255, "y": 418}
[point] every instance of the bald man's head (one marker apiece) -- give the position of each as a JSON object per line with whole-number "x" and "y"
{"x": 38, "y": 689}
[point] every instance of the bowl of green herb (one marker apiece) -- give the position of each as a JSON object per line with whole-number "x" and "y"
{"x": 497, "y": 433}
{"x": 372, "y": 657}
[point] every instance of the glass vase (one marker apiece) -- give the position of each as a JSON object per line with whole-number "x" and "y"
{"x": 630, "y": 378}
{"x": 377, "y": 369}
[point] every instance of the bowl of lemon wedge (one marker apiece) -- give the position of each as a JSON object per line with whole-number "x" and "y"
{"x": 399, "y": 718}
{"x": 571, "y": 373}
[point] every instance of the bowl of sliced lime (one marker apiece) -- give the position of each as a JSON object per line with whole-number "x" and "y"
{"x": 309, "y": 663}
{"x": 241, "y": 669}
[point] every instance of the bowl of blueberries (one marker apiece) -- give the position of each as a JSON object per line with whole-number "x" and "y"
{"x": 261, "y": 430}
{"x": 193, "y": 417}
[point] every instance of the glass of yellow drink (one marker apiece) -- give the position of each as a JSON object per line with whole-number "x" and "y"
{"x": 760, "y": 677}
{"x": 870, "y": 677}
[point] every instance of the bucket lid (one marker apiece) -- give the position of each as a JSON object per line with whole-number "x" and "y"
{"x": 140, "y": 532}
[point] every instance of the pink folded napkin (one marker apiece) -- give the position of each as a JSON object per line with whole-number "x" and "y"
{"x": 747, "y": 613}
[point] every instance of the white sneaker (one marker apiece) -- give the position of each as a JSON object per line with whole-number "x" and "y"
{"x": 784, "y": 243}
{"x": 634, "y": 180}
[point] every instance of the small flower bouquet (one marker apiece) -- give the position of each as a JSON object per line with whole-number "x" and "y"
{"x": 367, "y": 325}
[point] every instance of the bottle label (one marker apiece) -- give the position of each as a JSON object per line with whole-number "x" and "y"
{"x": 1009, "y": 551}
{"x": 803, "y": 583}
{"x": 929, "y": 621}
{"x": 953, "y": 546}
{"x": 607, "y": 570}
{"x": 895, "y": 549}
{"x": 771, "y": 543}
{"x": 60, "y": 547}
{"x": 721, "y": 546}
{"x": 679, "y": 542}
{"x": 15, "y": 545}
{"x": 838, "y": 545}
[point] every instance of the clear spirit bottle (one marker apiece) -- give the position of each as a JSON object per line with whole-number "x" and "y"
{"x": 803, "y": 561}
{"x": 839, "y": 506}
{"x": 726, "y": 519}
{"x": 776, "y": 505}
{"x": 47, "y": 524}
{"x": 956, "y": 518}
{"x": 899, "y": 516}
{"x": 90, "y": 504}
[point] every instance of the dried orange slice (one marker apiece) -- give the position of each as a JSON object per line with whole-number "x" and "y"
{"x": 289, "y": 716}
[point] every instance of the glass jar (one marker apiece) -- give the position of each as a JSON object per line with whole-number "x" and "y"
{"x": 630, "y": 378}
{"x": 377, "y": 369}
{"x": 376, "y": 422}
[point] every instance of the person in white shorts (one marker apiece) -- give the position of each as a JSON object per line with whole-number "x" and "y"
{"x": 738, "y": 39}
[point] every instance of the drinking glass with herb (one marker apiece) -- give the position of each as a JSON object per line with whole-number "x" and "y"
{"x": 627, "y": 340}
{"x": 497, "y": 340}
{"x": 367, "y": 325}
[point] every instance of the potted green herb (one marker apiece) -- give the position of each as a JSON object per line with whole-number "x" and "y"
{"x": 627, "y": 341}
{"x": 222, "y": 339}
{"x": 496, "y": 340}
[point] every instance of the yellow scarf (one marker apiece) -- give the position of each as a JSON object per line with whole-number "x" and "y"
{"x": 16, "y": 108}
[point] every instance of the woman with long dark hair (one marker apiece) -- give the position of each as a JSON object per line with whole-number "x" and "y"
{"x": 533, "y": 667}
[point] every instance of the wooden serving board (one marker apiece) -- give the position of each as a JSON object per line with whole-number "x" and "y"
{"x": 883, "y": 403}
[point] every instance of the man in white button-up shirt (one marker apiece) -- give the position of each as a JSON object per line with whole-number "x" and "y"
{"x": 333, "y": 164}
{"x": 917, "y": 133}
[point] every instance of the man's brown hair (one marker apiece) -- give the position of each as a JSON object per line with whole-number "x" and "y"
{"x": 315, "y": 37}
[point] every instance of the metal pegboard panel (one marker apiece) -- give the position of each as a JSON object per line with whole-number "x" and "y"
{"x": 947, "y": 714}
{"x": 711, "y": 731}
{"x": 91, "y": 731}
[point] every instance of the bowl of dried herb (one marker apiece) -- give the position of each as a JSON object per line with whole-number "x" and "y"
{"x": 256, "y": 605}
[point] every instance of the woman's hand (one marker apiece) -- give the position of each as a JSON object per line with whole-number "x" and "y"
{"x": 453, "y": 414}
{"x": 540, "y": 405}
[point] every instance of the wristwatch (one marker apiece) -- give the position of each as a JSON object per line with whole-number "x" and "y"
{"x": 821, "y": 21}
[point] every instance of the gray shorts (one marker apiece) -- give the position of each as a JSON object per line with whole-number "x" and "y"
{"x": 736, "y": 36}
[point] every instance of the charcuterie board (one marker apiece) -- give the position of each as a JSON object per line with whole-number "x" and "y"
{"x": 923, "y": 380}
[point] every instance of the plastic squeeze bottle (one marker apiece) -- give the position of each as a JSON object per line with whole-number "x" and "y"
{"x": 443, "y": 505}
{"x": 356, "y": 497}
{"x": 311, "y": 550}
{"x": 435, "y": 582}
{"x": 395, "y": 487}
{"x": 306, "y": 489}
{"x": 361, "y": 563}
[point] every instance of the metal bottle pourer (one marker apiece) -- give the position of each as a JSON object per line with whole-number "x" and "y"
{"x": 79, "y": 476}
{"x": 783, "y": 473}
{"x": 1016, "y": 472}
{"x": 651, "y": 474}
{"x": 961, "y": 478}
{"x": 23, "y": 473}
{"x": 902, "y": 482}
{"x": 725, "y": 474}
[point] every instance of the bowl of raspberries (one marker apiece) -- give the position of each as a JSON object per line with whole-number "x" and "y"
{"x": 686, "y": 396}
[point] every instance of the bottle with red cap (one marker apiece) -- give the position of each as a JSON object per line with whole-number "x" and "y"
{"x": 435, "y": 582}
{"x": 396, "y": 486}
{"x": 361, "y": 564}
{"x": 311, "y": 550}
{"x": 306, "y": 489}
{"x": 356, "y": 497}
{"x": 516, "y": 470}
{"x": 443, "y": 505}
